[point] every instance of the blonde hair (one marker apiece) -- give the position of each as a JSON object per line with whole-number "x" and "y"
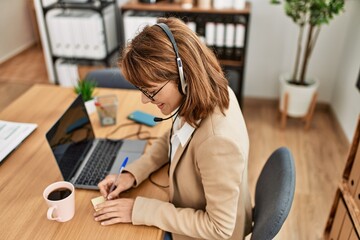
{"x": 150, "y": 57}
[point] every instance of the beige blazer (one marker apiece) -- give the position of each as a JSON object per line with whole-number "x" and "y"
{"x": 208, "y": 186}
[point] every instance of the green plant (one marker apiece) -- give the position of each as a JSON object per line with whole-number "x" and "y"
{"x": 309, "y": 14}
{"x": 86, "y": 89}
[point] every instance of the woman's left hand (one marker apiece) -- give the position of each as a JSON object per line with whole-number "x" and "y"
{"x": 115, "y": 211}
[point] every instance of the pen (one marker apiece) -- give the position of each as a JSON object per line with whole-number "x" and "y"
{"x": 120, "y": 171}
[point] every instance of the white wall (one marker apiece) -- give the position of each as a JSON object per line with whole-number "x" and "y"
{"x": 345, "y": 97}
{"x": 272, "y": 45}
{"x": 16, "y": 33}
{"x": 335, "y": 60}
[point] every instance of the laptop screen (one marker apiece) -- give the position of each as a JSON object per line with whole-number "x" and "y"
{"x": 71, "y": 137}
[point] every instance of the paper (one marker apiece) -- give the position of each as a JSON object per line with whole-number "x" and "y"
{"x": 12, "y": 134}
{"x": 97, "y": 200}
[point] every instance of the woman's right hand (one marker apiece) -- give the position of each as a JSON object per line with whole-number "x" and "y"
{"x": 125, "y": 181}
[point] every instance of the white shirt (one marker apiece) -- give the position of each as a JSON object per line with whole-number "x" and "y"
{"x": 181, "y": 135}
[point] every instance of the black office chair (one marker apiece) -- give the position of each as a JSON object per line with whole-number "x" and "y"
{"x": 274, "y": 194}
{"x": 109, "y": 78}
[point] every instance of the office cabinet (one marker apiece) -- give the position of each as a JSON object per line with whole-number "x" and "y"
{"x": 354, "y": 176}
{"x": 77, "y": 33}
{"x": 338, "y": 220}
{"x": 225, "y": 31}
{"x": 344, "y": 219}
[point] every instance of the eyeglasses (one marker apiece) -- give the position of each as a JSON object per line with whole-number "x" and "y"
{"x": 149, "y": 95}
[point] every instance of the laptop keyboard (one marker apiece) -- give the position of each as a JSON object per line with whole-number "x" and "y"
{"x": 100, "y": 162}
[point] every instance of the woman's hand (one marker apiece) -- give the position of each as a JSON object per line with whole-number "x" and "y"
{"x": 115, "y": 211}
{"x": 125, "y": 181}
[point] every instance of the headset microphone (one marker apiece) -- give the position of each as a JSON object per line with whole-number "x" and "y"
{"x": 158, "y": 119}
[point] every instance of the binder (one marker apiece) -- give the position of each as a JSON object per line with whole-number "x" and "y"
{"x": 54, "y": 32}
{"x": 239, "y": 41}
{"x": 67, "y": 73}
{"x": 192, "y": 26}
{"x": 110, "y": 28}
{"x": 47, "y": 3}
{"x": 239, "y": 35}
{"x": 220, "y": 39}
{"x": 64, "y": 21}
{"x": 76, "y": 33}
{"x": 86, "y": 34}
{"x": 229, "y": 40}
{"x": 96, "y": 37}
{"x": 61, "y": 72}
{"x": 239, "y": 4}
{"x": 222, "y": 4}
{"x": 210, "y": 34}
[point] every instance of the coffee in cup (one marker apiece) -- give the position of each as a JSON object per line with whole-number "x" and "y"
{"x": 60, "y": 198}
{"x": 59, "y": 194}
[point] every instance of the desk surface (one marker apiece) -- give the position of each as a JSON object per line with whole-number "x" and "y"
{"x": 30, "y": 168}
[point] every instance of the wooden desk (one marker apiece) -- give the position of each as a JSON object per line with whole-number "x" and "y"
{"x": 28, "y": 170}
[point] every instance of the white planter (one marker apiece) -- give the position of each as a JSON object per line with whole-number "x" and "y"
{"x": 299, "y": 97}
{"x": 90, "y": 106}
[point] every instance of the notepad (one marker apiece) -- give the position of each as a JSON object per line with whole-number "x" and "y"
{"x": 12, "y": 134}
{"x": 96, "y": 201}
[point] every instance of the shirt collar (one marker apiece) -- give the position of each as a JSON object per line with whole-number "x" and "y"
{"x": 184, "y": 133}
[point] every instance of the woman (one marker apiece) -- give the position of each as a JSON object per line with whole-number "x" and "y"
{"x": 206, "y": 147}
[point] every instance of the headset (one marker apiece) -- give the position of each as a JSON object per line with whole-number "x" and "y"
{"x": 182, "y": 84}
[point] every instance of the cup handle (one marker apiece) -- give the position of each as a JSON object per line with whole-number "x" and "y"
{"x": 50, "y": 213}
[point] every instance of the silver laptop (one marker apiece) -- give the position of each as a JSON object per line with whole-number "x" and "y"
{"x": 83, "y": 159}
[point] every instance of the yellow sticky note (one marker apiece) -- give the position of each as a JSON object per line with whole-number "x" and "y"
{"x": 97, "y": 200}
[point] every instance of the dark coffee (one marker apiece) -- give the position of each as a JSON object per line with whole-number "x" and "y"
{"x": 59, "y": 194}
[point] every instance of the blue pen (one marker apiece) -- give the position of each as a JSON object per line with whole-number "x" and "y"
{"x": 120, "y": 171}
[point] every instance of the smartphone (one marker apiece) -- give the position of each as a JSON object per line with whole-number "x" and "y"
{"x": 142, "y": 117}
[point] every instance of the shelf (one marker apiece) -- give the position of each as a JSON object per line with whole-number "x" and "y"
{"x": 103, "y": 51}
{"x": 91, "y": 5}
{"x": 231, "y": 63}
{"x": 164, "y": 6}
{"x": 89, "y": 61}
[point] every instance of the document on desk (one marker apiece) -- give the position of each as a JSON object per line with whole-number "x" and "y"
{"x": 12, "y": 134}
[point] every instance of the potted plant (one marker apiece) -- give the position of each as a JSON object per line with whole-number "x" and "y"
{"x": 299, "y": 90}
{"x": 86, "y": 89}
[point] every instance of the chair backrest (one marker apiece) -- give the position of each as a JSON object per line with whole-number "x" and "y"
{"x": 274, "y": 194}
{"x": 109, "y": 78}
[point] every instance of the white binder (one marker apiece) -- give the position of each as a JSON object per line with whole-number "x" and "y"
{"x": 96, "y": 37}
{"x": 67, "y": 73}
{"x": 65, "y": 22}
{"x": 47, "y": 3}
{"x": 230, "y": 35}
{"x": 220, "y": 34}
{"x": 56, "y": 43}
{"x": 210, "y": 33}
{"x": 239, "y": 35}
{"x": 76, "y": 33}
{"x": 110, "y": 27}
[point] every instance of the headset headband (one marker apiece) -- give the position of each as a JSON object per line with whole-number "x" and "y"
{"x": 182, "y": 84}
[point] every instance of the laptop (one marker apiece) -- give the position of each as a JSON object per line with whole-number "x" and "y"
{"x": 83, "y": 159}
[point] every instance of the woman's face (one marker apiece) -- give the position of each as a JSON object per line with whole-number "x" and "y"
{"x": 167, "y": 96}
